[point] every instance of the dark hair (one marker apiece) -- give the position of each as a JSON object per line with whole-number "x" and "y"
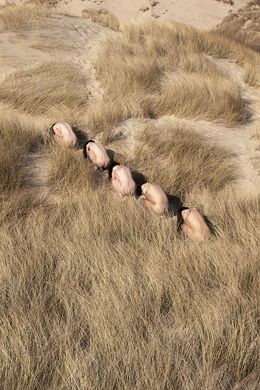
{"x": 85, "y": 147}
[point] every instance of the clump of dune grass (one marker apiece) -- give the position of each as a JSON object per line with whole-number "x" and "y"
{"x": 14, "y": 17}
{"x": 68, "y": 170}
{"x": 102, "y": 17}
{"x": 41, "y": 89}
{"x": 14, "y": 147}
{"x": 243, "y": 25}
{"x": 161, "y": 69}
{"x": 188, "y": 162}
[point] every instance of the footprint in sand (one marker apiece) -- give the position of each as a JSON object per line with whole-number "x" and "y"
{"x": 144, "y": 9}
{"x": 153, "y": 3}
{"x": 96, "y": 2}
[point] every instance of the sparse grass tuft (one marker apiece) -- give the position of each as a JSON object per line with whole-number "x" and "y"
{"x": 102, "y": 17}
{"x": 244, "y": 25}
{"x": 19, "y": 17}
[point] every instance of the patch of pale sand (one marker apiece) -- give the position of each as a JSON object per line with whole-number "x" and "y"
{"x": 204, "y": 14}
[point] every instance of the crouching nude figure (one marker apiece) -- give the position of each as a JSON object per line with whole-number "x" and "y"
{"x": 97, "y": 154}
{"x": 123, "y": 181}
{"x": 154, "y": 198}
{"x": 194, "y": 226}
{"x": 63, "y": 134}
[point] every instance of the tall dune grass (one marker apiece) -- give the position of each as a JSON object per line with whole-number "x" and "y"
{"x": 187, "y": 161}
{"x": 102, "y": 17}
{"x": 43, "y": 89}
{"x": 20, "y": 17}
{"x": 162, "y": 69}
{"x": 243, "y": 25}
{"x": 96, "y": 292}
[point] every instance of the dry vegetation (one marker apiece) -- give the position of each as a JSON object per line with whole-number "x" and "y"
{"x": 14, "y": 18}
{"x": 244, "y": 25}
{"x": 96, "y": 293}
{"x": 175, "y": 150}
{"x": 37, "y": 90}
{"x": 102, "y": 17}
{"x": 162, "y": 69}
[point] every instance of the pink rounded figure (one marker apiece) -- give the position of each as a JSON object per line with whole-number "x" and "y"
{"x": 123, "y": 181}
{"x": 154, "y": 198}
{"x": 64, "y": 134}
{"x": 97, "y": 154}
{"x": 194, "y": 225}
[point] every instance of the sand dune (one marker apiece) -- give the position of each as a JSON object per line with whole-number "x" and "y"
{"x": 203, "y": 14}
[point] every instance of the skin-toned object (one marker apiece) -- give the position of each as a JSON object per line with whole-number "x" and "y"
{"x": 64, "y": 134}
{"x": 154, "y": 198}
{"x": 123, "y": 181}
{"x": 194, "y": 225}
{"x": 97, "y": 154}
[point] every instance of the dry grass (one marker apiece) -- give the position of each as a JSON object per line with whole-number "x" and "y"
{"x": 161, "y": 69}
{"x": 96, "y": 293}
{"x": 11, "y": 163}
{"x": 20, "y": 17}
{"x": 243, "y": 26}
{"x": 102, "y": 17}
{"x": 45, "y": 88}
{"x": 188, "y": 162}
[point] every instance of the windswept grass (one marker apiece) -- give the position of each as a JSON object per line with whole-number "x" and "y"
{"x": 43, "y": 89}
{"x": 19, "y": 17}
{"x": 96, "y": 292}
{"x": 188, "y": 162}
{"x": 244, "y": 25}
{"x": 102, "y": 17}
{"x": 17, "y": 138}
{"x": 161, "y": 69}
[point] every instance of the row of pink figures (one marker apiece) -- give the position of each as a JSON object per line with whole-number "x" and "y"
{"x": 190, "y": 221}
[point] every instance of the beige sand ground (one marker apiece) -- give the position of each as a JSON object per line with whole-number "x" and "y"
{"x": 201, "y": 13}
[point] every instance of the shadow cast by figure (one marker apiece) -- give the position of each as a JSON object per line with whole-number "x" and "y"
{"x": 139, "y": 179}
{"x": 175, "y": 204}
{"x": 81, "y": 137}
